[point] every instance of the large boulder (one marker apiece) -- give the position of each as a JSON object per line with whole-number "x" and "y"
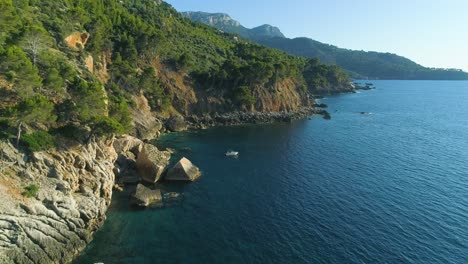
{"x": 146, "y": 125}
{"x": 151, "y": 163}
{"x": 144, "y": 196}
{"x": 176, "y": 123}
{"x": 183, "y": 170}
{"x": 128, "y": 143}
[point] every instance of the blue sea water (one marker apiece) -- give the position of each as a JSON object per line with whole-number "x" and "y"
{"x": 390, "y": 186}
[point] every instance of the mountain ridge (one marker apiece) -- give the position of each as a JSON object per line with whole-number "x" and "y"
{"x": 359, "y": 64}
{"x": 225, "y": 22}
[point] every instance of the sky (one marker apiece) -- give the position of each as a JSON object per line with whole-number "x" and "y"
{"x": 433, "y": 33}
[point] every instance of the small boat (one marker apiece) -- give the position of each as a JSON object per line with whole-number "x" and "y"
{"x": 232, "y": 153}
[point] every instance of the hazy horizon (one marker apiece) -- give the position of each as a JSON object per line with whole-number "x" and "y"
{"x": 431, "y": 33}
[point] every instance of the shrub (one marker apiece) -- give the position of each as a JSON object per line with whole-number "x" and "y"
{"x": 38, "y": 141}
{"x": 70, "y": 131}
{"x": 30, "y": 190}
{"x": 244, "y": 96}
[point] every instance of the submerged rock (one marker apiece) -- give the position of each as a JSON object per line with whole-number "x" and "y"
{"x": 151, "y": 163}
{"x": 183, "y": 170}
{"x": 144, "y": 196}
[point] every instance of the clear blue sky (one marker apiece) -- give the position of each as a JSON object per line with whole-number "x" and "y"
{"x": 433, "y": 33}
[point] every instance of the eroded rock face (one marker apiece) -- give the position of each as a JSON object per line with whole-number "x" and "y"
{"x": 144, "y": 196}
{"x": 77, "y": 40}
{"x": 146, "y": 125}
{"x": 128, "y": 143}
{"x": 75, "y": 188}
{"x": 176, "y": 123}
{"x": 151, "y": 163}
{"x": 183, "y": 170}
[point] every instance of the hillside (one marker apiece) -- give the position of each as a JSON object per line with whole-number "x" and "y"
{"x": 76, "y": 76}
{"x": 104, "y": 63}
{"x": 359, "y": 64}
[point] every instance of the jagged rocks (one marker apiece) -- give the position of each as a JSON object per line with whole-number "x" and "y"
{"x": 183, "y": 170}
{"x": 144, "y": 196}
{"x": 236, "y": 118}
{"x": 146, "y": 125}
{"x": 176, "y": 123}
{"x": 128, "y": 143}
{"x": 151, "y": 163}
{"x": 75, "y": 187}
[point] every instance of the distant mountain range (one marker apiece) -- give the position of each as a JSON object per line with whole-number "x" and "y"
{"x": 359, "y": 64}
{"x": 225, "y": 23}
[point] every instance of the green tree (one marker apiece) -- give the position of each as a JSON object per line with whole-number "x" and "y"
{"x": 9, "y": 21}
{"x": 244, "y": 96}
{"x": 19, "y": 70}
{"x": 104, "y": 126}
{"x": 36, "y": 109}
{"x": 35, "y": 41}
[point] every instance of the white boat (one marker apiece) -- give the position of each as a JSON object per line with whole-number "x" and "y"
{"x": 232, "y": 153}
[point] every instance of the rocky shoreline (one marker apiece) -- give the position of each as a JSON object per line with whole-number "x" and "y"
{"x": 76, "y": 181}
{"x": 239, "y": 118}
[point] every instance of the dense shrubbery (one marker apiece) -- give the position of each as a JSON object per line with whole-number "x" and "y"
{"x": 38, "y": 141}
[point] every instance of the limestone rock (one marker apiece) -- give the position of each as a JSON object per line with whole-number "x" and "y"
{"x": 127, "y": 143}
{"x": 77, "y": 40}
{"x": 144, "y": 196}
{"x": 176, "y": 123}
{"x": 146, "y": 125}
{"x": 89, "y": 62}
{"x": 151, "y": 163}
{"x": 69, "y": 207}
{"x": 183, "y": 170}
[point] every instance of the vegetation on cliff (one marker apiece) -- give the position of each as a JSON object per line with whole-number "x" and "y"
{"x": 81, "y": 63}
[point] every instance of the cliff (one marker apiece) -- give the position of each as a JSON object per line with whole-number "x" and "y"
{"x": 56, "y": 223}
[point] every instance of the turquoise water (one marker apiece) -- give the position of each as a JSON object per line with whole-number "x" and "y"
{"x": 386, "y": 187}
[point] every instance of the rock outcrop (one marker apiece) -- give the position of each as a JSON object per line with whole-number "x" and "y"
{"x": 146, "y": 125}
{"x": 176, "y": 123}
{"x": 151, "y": 163}
{"x": 56, "y": 223}
{"x": 183, "y": 170}
{"x": 89, "y": 63}
{"x": 77, "y": 40}
{"x": 144, "y": 196}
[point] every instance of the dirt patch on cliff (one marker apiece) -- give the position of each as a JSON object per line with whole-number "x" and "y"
{"x": 77, "y": 40}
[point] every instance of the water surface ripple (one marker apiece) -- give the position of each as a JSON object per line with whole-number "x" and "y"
{"x": 388, "y": 187}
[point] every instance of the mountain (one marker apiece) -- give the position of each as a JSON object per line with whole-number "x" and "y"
{"x": 359, "y": 64}
{"x": 225, "y": 23}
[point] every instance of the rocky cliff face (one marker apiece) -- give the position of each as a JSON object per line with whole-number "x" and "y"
{"x": 225, "y": 23}
{"x": 75, "y": 188}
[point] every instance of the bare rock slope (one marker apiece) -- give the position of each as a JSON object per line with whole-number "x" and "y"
{"x": 75, "y": 188}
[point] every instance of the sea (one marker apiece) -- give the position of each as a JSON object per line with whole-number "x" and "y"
{"x": 384, "y": 181}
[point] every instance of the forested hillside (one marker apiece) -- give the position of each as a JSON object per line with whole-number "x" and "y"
{"x": 359, "y": 64}
{"x": 362, "y": 64}
{"x": 69, "y": 65}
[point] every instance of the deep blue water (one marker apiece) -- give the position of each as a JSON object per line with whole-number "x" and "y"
{"x": 388, "y": 187}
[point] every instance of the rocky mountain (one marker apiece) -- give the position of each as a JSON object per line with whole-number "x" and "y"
{"x": 225, "y": 23}
{"x": 359, "y": 64}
